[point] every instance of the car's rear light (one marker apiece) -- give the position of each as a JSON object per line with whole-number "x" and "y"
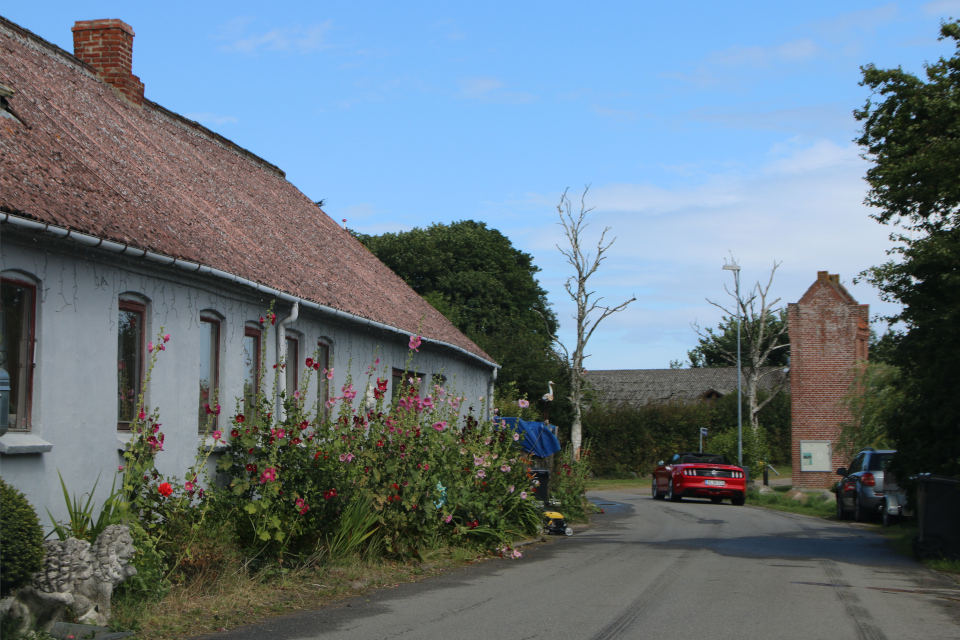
{"x": 868, "y": 479}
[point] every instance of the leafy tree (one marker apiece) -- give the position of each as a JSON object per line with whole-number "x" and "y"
{"x": 486, "y": 287}
{"x": 911, "y": 134}
{"x": 873, "y": 399}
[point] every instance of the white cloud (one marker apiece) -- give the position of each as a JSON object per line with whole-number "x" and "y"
{"x": 803, "y": 208}
{"x": 756, "y": 56}
{"x": 487, "y": 89}
{"x": 943, "y": 8}
{"x": 295, "y": 39}
{"x": 211, "y": 118}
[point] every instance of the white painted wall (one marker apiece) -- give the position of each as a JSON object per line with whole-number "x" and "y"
{"x": 75, "y": 379}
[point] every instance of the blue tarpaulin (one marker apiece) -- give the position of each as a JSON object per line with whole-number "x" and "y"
{"x": 537, "y": 438}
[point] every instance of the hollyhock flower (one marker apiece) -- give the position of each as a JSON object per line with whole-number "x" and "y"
{"x": 301, "y": 505}
{"x": 296, "y": 394}
{"x": 188, "y": 486}
{"x": 329, "y": 373}
{"x": 505, "y": 468}
{"x": 239, "y": 418}
{"x": 273, "y": 318}
{"x": 142, "y": 415}
{"x": 161, "y": 346}
{"x": 262, "y": 321}
{"x": 217, "y": 434}
{"x": 415, "y": 343}
{"x": 348, "y": 392}
{"x": 309, "y": 363}
{"x": 234, "y": 433}
{"x": 523, "y": 404}
{"x": 510, "y": 489}
{"x": 165, "y": 489}
{"x": 251, "y": 468}
{"x": 516, "y": 437}
{"x": 381, "y": 384}
{"x": 166, "y": 337}
{"x": 439, "y": 426}
{"x": 149, "y": 346}
{"x": 120, "y": 468}
{"x": 269, "y": 475}
{"x": 428, "y": 402}
{"x": 455, "y": 403}
{"x": 523, "y": 495}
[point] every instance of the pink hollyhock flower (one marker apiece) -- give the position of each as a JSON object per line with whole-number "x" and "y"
{"x": 455, "y": 403}
{"x": 149, "y": 346}
{"x": 415, "y": 343}
{"x": 439, "y": 426}
{"x": 329, "y": 373}
{"x": 142, "y": 415}
{"x": 269, "y": 475}
{"x": 523, "y": 404}
{"x": 188, "y": 486}
{"x": 166, "y": 337}
{"x": 120, "y": 468}
{"x": 217, "y": 434}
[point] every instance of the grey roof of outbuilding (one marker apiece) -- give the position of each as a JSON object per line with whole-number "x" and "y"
{"x": 638, "y": 387}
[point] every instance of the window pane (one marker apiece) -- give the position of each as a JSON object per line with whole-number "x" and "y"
{"x": 16, "y": 321}
{"x": 292, "y": 365}
{"x": 129, "y": 362}
{"x": 323, "y": 385}
{"x": 251, "y": 360}
{"x": 209, "y": 364}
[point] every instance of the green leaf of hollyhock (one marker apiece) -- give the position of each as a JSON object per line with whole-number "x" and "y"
{"x": 250, "y": 508}
{"x": 278, "y": 536}
{"x": 265, "y": 536}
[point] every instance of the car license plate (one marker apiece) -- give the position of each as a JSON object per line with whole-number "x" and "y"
{"x": 714, "y": 483}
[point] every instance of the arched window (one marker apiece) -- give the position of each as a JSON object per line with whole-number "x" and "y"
{"x": 209, "y": 375}
{"x": 18, "y": 306}
{"x": 252, "y": 336}
{"x": 131, "y": 357}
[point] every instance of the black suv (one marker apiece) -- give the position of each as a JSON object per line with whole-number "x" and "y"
{"x": 860, "y": 492}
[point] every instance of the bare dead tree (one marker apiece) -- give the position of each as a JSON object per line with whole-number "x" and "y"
{"x": 589, "y": 310}
{"x": 759, "y": 341}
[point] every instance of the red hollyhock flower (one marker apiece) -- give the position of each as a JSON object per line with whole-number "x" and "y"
{"x": 165, "y": 489}
{"x": 381, "y": 384}
{"x": 309, "y": 363}
{"x": 239, "y": 418}
{"x": 234, "y": 433}
{"x": 252, "y": 468}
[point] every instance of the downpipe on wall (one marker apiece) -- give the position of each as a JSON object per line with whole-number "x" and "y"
{"x": 282, "y": 357}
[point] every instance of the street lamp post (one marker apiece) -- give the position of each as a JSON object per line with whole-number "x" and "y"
{"x": 736, "y": 279}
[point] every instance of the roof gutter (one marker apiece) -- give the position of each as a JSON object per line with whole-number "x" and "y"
{"x": 193, "y": 267}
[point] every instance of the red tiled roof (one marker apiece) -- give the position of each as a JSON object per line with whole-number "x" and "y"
{"x": 87, "y": 160}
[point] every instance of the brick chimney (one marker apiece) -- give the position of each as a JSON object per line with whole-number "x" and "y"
{"x": 107, "y": 46}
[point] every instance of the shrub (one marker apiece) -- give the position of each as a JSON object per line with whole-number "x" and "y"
{"x": 568, "y": 482}
{"x": 21, "y": 540}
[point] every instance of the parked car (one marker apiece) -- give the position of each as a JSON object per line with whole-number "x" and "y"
{"x": 699, "y": 475}
{"x": 860, "y": 491}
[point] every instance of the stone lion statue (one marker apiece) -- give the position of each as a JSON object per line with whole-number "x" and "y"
{"x": 79, "y": 575}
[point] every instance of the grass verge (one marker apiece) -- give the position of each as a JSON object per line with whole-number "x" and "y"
{"x": 236, "y": 598}
{"x": 619, "y": 484}
{"x": 900, "y": 536}
{"x": 779, "y": 501}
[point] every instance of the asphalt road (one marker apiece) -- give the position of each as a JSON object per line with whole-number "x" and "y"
{"x": 653, "y": 569}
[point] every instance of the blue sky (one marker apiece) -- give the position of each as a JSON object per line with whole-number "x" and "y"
{"x": 705, "y": 129}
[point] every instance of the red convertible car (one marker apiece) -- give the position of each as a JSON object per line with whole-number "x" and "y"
{"x": 699, "y": 475}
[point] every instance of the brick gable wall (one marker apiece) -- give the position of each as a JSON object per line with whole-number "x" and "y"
{"x": 829, "y": 333}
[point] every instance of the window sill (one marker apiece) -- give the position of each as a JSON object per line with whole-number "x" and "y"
{"x": 123, "y": 440}
{"x": 13, "y": 443}
{"x": 208, "y": 444}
